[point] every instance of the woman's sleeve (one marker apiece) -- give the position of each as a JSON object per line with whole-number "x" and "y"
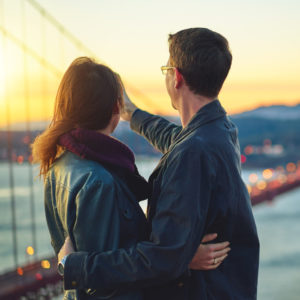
{"x": 93, "y": 217}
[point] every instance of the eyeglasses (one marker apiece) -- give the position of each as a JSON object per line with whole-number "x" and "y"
{"x": 164, "y": 69}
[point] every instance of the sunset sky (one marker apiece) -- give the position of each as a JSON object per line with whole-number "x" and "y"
{"x": 131, "y": 37}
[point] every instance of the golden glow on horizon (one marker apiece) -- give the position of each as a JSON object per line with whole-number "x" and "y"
{"x": 153, "y": 98}
{"x": 235, "y": 97}
{"x": 2, "y": 74}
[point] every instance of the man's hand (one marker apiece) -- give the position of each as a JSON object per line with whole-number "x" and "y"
{"x": 128, "y": 109}
{"x": 209, "y": 256}
{"x": 66, "y": 249}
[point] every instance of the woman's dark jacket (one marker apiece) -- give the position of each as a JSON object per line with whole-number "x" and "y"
{"x": 95, "y": 207}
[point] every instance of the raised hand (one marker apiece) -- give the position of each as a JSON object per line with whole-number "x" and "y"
{"x": 129, "y": 107}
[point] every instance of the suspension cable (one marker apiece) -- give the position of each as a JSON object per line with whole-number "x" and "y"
{"x": 66, "y": 33}
{"x": 29, "y": 137}
{"x": 81, "y": 47}
{"x": 9, "y": 155}
{"x": 43, "y": 75}
{"x": 41, "y": 60}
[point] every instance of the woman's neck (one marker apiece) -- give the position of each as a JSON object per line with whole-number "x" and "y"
{"x": 106, "y": 131}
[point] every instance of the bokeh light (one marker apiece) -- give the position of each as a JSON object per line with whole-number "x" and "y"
{"x": 30, "y": 250}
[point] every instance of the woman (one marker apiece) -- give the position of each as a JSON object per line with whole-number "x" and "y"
{"x": 92, "y": 186}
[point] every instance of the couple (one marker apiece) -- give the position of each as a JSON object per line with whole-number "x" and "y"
{"x": 196, "y": 195}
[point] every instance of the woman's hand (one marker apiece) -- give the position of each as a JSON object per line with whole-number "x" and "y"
{"x": 209, "y": 256}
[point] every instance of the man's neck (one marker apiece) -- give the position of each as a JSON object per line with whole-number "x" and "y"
{"x": 190, "y": 105}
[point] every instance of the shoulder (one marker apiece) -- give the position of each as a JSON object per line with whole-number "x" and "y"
{"x": 194, "y": 151}
{"x": 190, "y": 145}
{"x": 212, "y": 137}
{"x": 74, "y": 173}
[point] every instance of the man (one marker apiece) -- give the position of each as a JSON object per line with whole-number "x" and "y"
{"x": 196, "y": 189}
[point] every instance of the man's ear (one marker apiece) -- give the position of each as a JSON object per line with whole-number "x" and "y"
{"x": 178, "y": 78}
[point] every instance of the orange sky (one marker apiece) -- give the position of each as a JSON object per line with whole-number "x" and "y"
{"x": 131, "y": 38}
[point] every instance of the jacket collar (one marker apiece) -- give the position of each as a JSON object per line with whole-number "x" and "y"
{"x": 206, "y": 114}
{"x": 109, "y": 152}
{"x": 104, "y": 149}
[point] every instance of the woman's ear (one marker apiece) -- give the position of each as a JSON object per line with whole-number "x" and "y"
{"x": 116, "y": 109}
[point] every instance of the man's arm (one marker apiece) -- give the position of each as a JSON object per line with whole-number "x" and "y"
{"x": 158, "y": 131}
{"x": 177, "y": 230}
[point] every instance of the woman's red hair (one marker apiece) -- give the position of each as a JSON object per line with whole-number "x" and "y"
{"x": 87, "y": 97}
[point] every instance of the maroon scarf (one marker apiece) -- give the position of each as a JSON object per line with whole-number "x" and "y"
{"x": 109, "y": 152}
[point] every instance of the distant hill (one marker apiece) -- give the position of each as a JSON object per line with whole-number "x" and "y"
{"x": 272, "y": 131}
{"x": 274, "y": 112}
{"x": 274, "y": 125}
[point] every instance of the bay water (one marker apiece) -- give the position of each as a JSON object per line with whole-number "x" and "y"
{"x": 278, "y": 225}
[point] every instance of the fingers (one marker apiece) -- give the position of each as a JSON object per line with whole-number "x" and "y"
{"x": 218, "y": 246}
{"x": 209, "y": 237}
{"x": 212, "y": 267}
{"x": 217, "y": 260}
{"x": 220, "y": 253}
{"x": 222, "y": 258}
{"x": 218, "y": 256}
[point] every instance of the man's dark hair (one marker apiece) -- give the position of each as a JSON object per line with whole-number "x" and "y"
{"x": 203, "y": 57}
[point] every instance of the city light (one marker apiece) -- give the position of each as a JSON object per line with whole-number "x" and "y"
{"x": 45, "y": 264}
{"x": 249, "y": 150}
{"x": 267, "y": 174}
{"x": 243, "y": 158}
{"x": 291, "y": 167}
{"x": 30, "y": 250}
{"x": 253, "y": 178}
{"x": 20, "y": 159}
{"x": 20, "y": 271}
{"x": 38, "y": 276}
{"x": 261, "y": 185}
